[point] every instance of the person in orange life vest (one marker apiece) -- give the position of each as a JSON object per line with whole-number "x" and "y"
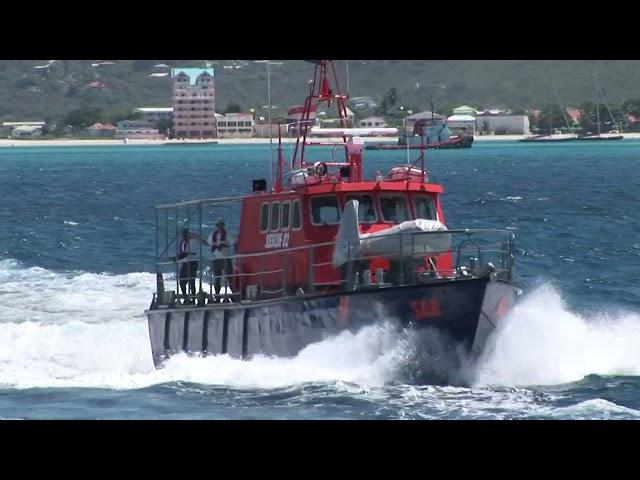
{"x": 188, "y": 270}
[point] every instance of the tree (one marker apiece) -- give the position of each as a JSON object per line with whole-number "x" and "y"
{"x": 139, "y": 65}
{"x": 84, "y": 117}
{"x": 389, "y": 101}
{"x": 233, "y": 108}
{"x": 589, "y": 119}
{"x": 551, "y": 118}
{"x": 165, "y": 126}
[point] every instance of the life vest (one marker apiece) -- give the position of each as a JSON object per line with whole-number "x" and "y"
{"x": 218, "y": 240}
{"x": 185, "y": 247}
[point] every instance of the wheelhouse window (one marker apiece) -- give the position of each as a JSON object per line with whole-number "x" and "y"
{"x": 425, "y": 207}
{"x": 366, "y": 210}
{"x": 286, "y": 212}
{"x": 394, "y": 208}
{"x": 325, "y": 210}
{"x": 295, "y": 216}
{"x": 275, "y": 215}
{"x": 264, "y": 217}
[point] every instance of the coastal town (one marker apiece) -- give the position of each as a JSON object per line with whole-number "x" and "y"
{"x": 191, "y": 112}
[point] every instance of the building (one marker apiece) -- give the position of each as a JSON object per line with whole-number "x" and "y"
{"x": 26, "y": 131}
{"x": 465, "y": 110}
{"x": 155, "y": 115}
{"x": 377, "y": 122}
{"x": 7, "y": 128}
{"x": 334, "y": 122}
{"x": 193, "y": 103}
{"x": 139, "y": 129}
{"x": 412, "y": 119}
{"x": 503, "y": 124}
{"x": 235, "y": 125}
{"x": 575, "y": 115}
{"x": 101, "y": 130}
{"x": 462, "y": 124}
{"x": 294, "y": 116}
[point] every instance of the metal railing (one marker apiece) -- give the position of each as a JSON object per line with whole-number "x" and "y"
{"x": 309, "y": 270}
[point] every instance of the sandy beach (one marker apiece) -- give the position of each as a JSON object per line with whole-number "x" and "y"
{"x": 227, "y": 141}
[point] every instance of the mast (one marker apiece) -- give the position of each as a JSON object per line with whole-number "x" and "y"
{"x": 595, "y": 84}
{"x": 320, "y": 91}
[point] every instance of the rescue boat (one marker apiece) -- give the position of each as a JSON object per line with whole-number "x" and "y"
{"x": 328, "y": 247}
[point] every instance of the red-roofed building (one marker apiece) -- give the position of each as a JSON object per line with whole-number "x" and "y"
{"x": 104, "y": 130}
{"x": 574, "y": 114}
{"x": 96, "y": 84}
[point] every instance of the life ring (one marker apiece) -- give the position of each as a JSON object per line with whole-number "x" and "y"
{"x": 320, "y": 168}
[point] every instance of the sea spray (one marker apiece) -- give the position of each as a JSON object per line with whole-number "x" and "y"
{"x": 543, "y": 343}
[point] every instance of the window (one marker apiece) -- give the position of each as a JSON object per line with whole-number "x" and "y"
{"x": 231, "y": 124}
{"x": 366, "y": 210}
{"x": 325, "y": 210}
{"x": 425, "y": 207}
{"x": 286, "y": 213}
{"x": 394, "y": 208}
{"x": 295, "y": 216}
{"x": 264, "y": 217}
{"x": 275, "y": 215}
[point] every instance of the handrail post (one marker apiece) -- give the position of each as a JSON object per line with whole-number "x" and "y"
{"x": 284, "y": 274}
{"x": 401, "y": 262}
{"x": 311, "y": 277}
{"x": 200, "y": 263}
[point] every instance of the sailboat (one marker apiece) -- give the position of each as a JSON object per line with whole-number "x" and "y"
{"x": 615, "y": 135}
{"x": 553, "y": 137}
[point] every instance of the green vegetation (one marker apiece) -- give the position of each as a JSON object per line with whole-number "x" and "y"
{"x": 75, "y": 91}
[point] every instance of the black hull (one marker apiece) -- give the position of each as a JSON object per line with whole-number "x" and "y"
{"x": 600, "y": 139}
{"x": 463, "y": 142}
{"x": 465, "y": 311}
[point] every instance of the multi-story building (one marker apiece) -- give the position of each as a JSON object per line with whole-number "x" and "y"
{"x": 193, "y": 103}
{"x": 235, "y": 125}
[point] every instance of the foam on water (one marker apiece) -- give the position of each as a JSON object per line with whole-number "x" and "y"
{"x": 78, "y": 329}
{"x": 543, "y": 343}
{"x": 89, "y": 330}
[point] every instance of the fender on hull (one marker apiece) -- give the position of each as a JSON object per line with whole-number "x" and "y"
{"x": 463, "y": 310}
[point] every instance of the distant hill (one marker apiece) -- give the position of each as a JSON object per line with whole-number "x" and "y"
{"x": 118, "y": 86}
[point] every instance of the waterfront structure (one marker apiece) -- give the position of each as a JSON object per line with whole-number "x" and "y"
{"x": 101, "y": 130}
{"x": 193, "y": 103}
{"x": 378, "y": 122}
{"x": 154, "y": 115}
{"x": 503, "y": 124}
{"x": 235, "y": 125}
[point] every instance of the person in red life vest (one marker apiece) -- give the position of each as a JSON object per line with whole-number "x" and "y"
{"x": 220, "y": 242}
{"x": 188, "y": 270}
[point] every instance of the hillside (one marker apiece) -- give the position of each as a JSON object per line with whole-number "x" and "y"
{"x": 50, "y": 92}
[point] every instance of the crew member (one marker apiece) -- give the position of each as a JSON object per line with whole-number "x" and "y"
{"x": 188, "y": 270}
{"x": 220, "y": 243}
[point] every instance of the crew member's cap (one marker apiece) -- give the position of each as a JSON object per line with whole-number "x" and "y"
{"x": 220, "y": 222}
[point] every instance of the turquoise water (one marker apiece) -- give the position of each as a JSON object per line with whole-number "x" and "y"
{"x": 76, "y": 256}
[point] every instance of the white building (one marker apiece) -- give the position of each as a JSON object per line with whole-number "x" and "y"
{"x": 465, "y": 110}
{"x": 378, "y": 122}
{"x": 462, "y": 123}
{"x": 155, "y": 115}
{"x": 26, "y": 131}
{"x": 503, "y": 124}
{"x": 235, "y": 125}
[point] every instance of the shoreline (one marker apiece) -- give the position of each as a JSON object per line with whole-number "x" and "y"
{"x": 9, "y": 143}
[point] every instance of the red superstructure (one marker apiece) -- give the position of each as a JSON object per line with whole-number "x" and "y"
{"x": 305, "y": 205}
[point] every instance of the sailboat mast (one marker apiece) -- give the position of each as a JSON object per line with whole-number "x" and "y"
{"x": 595, "y": 84}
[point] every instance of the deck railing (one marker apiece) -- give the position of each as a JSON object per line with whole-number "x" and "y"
{"x": 473, "y": 253}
